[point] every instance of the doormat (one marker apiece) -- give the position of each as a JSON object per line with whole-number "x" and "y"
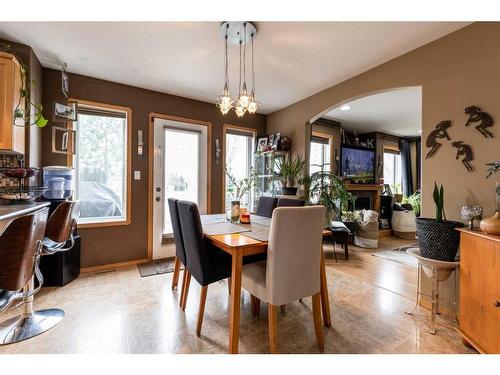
{"x": 156, "y": 267}
{"x": 399, "y": 255}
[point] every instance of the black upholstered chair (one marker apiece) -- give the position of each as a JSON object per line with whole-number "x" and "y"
{"x": 180, "y": 252}
{"x": 205, "y": 262}
{"x": 289, "y": 202}
{"x": 266, "y": 206}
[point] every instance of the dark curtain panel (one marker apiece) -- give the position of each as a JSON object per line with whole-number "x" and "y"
{"x": 406, "y": 176}
{"x": 419, "y": 160}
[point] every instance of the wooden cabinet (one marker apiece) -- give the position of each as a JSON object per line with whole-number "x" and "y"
{"x": 480, "y": 290}
{"x": 11, "y": 136}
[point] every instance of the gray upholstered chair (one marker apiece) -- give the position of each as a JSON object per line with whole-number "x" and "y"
{"x": 266, "y": 206}
{"x": 292, "y": 269}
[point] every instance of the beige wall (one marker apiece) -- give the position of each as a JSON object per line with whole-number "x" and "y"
{"x": 456, "y": 71}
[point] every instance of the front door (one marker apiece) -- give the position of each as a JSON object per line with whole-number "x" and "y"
{"x": 180, "y": 171}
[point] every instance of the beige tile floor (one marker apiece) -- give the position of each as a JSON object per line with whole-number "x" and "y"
{"x": 120, "y": 312}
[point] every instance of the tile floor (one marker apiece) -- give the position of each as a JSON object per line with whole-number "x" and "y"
{"x": 120, "y": 312}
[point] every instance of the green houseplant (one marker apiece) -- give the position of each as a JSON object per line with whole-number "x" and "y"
{"x": 290, "y": 170}
{"x": 238, "y": 189}
{"x": 327, "y": 189}
{"x": 415, "y": 201}
{"x": 437, "y": 238}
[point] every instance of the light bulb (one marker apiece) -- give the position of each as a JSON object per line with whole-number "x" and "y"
{"x": 244, "y": 100}
{"x": 224, "y": 103}
{"x": 240, "y": 111}
{"x": 252, "y": 107}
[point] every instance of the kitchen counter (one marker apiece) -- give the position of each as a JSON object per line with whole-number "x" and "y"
{"x": 10, "y": 211}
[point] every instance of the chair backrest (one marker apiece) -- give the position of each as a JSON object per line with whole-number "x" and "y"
{"x": 266, "y": 206}
{"x": 294, "y": 251}
{"x": 18, "y": 245}
{"x": 180, "y": 252}
{"x": 289, "y": 202}
{"x": 62, "y": 221}
{"x": 198, "y": 259}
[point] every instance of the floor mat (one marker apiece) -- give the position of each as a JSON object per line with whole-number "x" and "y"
{"x": 399, "y": 255}
{"x": 156, "y": 267}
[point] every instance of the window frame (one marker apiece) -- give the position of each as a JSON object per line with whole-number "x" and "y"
{"x": 70, "y": 161}
{"x": 240, "y": 129}
{"x": 394, "y": 151}
{"x": 329, "y": 138}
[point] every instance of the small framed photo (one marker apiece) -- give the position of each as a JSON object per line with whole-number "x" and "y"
{"x": 63, "y": 140}
{"x": 276, "y": 139}
{"x": 65, "y": 112}
{"x": 270, "y": 140}
{"x": 65, "y": 83}
{"x": 262, "y": 144}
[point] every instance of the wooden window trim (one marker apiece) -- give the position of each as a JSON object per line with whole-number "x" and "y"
{"x": 330, "y": 143}
{"x": 225, "y": 128}
{"x": 69, "y": 162}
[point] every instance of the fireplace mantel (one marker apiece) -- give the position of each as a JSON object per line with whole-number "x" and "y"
{"x": 374, "y": 188}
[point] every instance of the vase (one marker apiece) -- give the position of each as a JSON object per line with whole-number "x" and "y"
{"x": 235, "y": 211}
{"x": 491, "y": 225}
{"x": 438, "y": 239}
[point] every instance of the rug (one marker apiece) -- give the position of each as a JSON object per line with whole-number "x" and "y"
{"x": 156, "y": 267}
{"x": 399, "y": 255}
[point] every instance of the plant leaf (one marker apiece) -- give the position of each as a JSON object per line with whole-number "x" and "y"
{"x": 41, "y": 122}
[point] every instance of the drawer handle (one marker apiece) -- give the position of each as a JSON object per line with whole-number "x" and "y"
{"x": 497, "y": 303}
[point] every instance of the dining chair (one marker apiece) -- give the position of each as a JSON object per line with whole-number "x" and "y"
{"x": 289, "y": 202}
{"x": 205, "y": 262}
{"x": 292, "y": 269}
{"x": 180, "y": 252}
{"x": 266, "y": 206}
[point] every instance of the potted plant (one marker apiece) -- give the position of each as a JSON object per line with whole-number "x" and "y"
{"x": 238, "y": 189}
{"x": 397, "y": 193}
{"x": 437, "y": 238}
{"x": 415, "y": 201}
{"x": 327, "y": 189}
{"x": 290, "y": 170}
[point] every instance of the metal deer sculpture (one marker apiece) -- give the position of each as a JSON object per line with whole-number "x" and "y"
{"x": 484, "y": 119}
{"x": 438, "y": 133}
{"x": 493, "y": 168}
{"x": 465, "y": 151}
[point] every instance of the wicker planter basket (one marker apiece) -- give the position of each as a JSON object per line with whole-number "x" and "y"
{"x": 439, "y": 241}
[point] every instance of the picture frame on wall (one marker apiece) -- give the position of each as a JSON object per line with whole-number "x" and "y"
{"x": 64, "y": 83}
{"x": 65, "y": 112}
{"x": 63, "y": 140}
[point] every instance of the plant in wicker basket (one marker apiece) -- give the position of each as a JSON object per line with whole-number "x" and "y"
{"x": 437, "y": 238}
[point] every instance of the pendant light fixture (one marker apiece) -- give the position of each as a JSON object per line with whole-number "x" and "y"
{"x": 238, "y": 33}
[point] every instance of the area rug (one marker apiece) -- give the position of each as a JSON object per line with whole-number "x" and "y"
{"x": 156, "y": 267}
{"x": 399, "y": 255}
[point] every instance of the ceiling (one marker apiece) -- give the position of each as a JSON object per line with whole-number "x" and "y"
{"x": 397, "y": 112}
{"x": 293, "y": 60}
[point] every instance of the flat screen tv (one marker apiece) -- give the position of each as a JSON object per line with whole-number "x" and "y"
{"x": 357, "y": 164}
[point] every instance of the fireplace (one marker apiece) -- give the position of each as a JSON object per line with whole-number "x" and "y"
{"x": 363, "y": 203}
{"x": 368, "y": 196}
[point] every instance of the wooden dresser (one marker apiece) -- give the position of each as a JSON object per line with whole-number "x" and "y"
{"x": 479, "y": 322}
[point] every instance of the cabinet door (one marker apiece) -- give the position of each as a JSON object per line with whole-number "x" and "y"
{"x": 6, "y": 91}
{"x": 479, "y": 291}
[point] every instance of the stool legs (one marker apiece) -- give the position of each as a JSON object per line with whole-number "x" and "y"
{"x": 30, "y": 323}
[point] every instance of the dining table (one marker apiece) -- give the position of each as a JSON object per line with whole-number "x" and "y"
{"x": 240, "y": 240}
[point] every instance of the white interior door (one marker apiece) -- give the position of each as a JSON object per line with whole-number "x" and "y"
{"x": 180, "y": 171}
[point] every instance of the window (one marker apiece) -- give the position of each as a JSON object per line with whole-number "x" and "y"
{"x": 101, "y": 164}
{"x": 320, "y": 154}
{"x": 392, "y": 169}
{"x": 239, "y": 145}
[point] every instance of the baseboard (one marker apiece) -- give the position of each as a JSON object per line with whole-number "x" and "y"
{"x": 106, "y": 267}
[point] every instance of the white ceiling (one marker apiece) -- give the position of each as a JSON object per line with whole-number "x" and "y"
{"x": 397, "y": 112}
{"x": 293, "y": 60}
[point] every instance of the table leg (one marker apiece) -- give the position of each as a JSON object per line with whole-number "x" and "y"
{"x": 325, "y": 303}
{"x": 234, "y": 315}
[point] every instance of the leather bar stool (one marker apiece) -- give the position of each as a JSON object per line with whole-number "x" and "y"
{"x": 20, "y": 250}
{"x": 61, "y": 227}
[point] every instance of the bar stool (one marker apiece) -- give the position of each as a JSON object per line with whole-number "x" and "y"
{"x": 20, "y": 250}
{"x": 437, "y": 271}
{"x": 60, "y": 228}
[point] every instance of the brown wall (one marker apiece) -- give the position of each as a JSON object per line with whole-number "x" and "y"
{"x": 456, "y": 71}
{"x": 122, "y": 243}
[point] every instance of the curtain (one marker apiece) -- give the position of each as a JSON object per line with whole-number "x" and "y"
{"x": 406, "y": 175}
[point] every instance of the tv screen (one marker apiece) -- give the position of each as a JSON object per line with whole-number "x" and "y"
{"x": 358, "y": 164}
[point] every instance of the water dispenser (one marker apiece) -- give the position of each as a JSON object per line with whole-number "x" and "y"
{"x": 58, "y": 181}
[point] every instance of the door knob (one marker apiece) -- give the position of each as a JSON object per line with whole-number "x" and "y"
{"x": 158, "y": 199}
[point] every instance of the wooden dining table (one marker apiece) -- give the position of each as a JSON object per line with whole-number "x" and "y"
{"x": 249, "y": 239}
